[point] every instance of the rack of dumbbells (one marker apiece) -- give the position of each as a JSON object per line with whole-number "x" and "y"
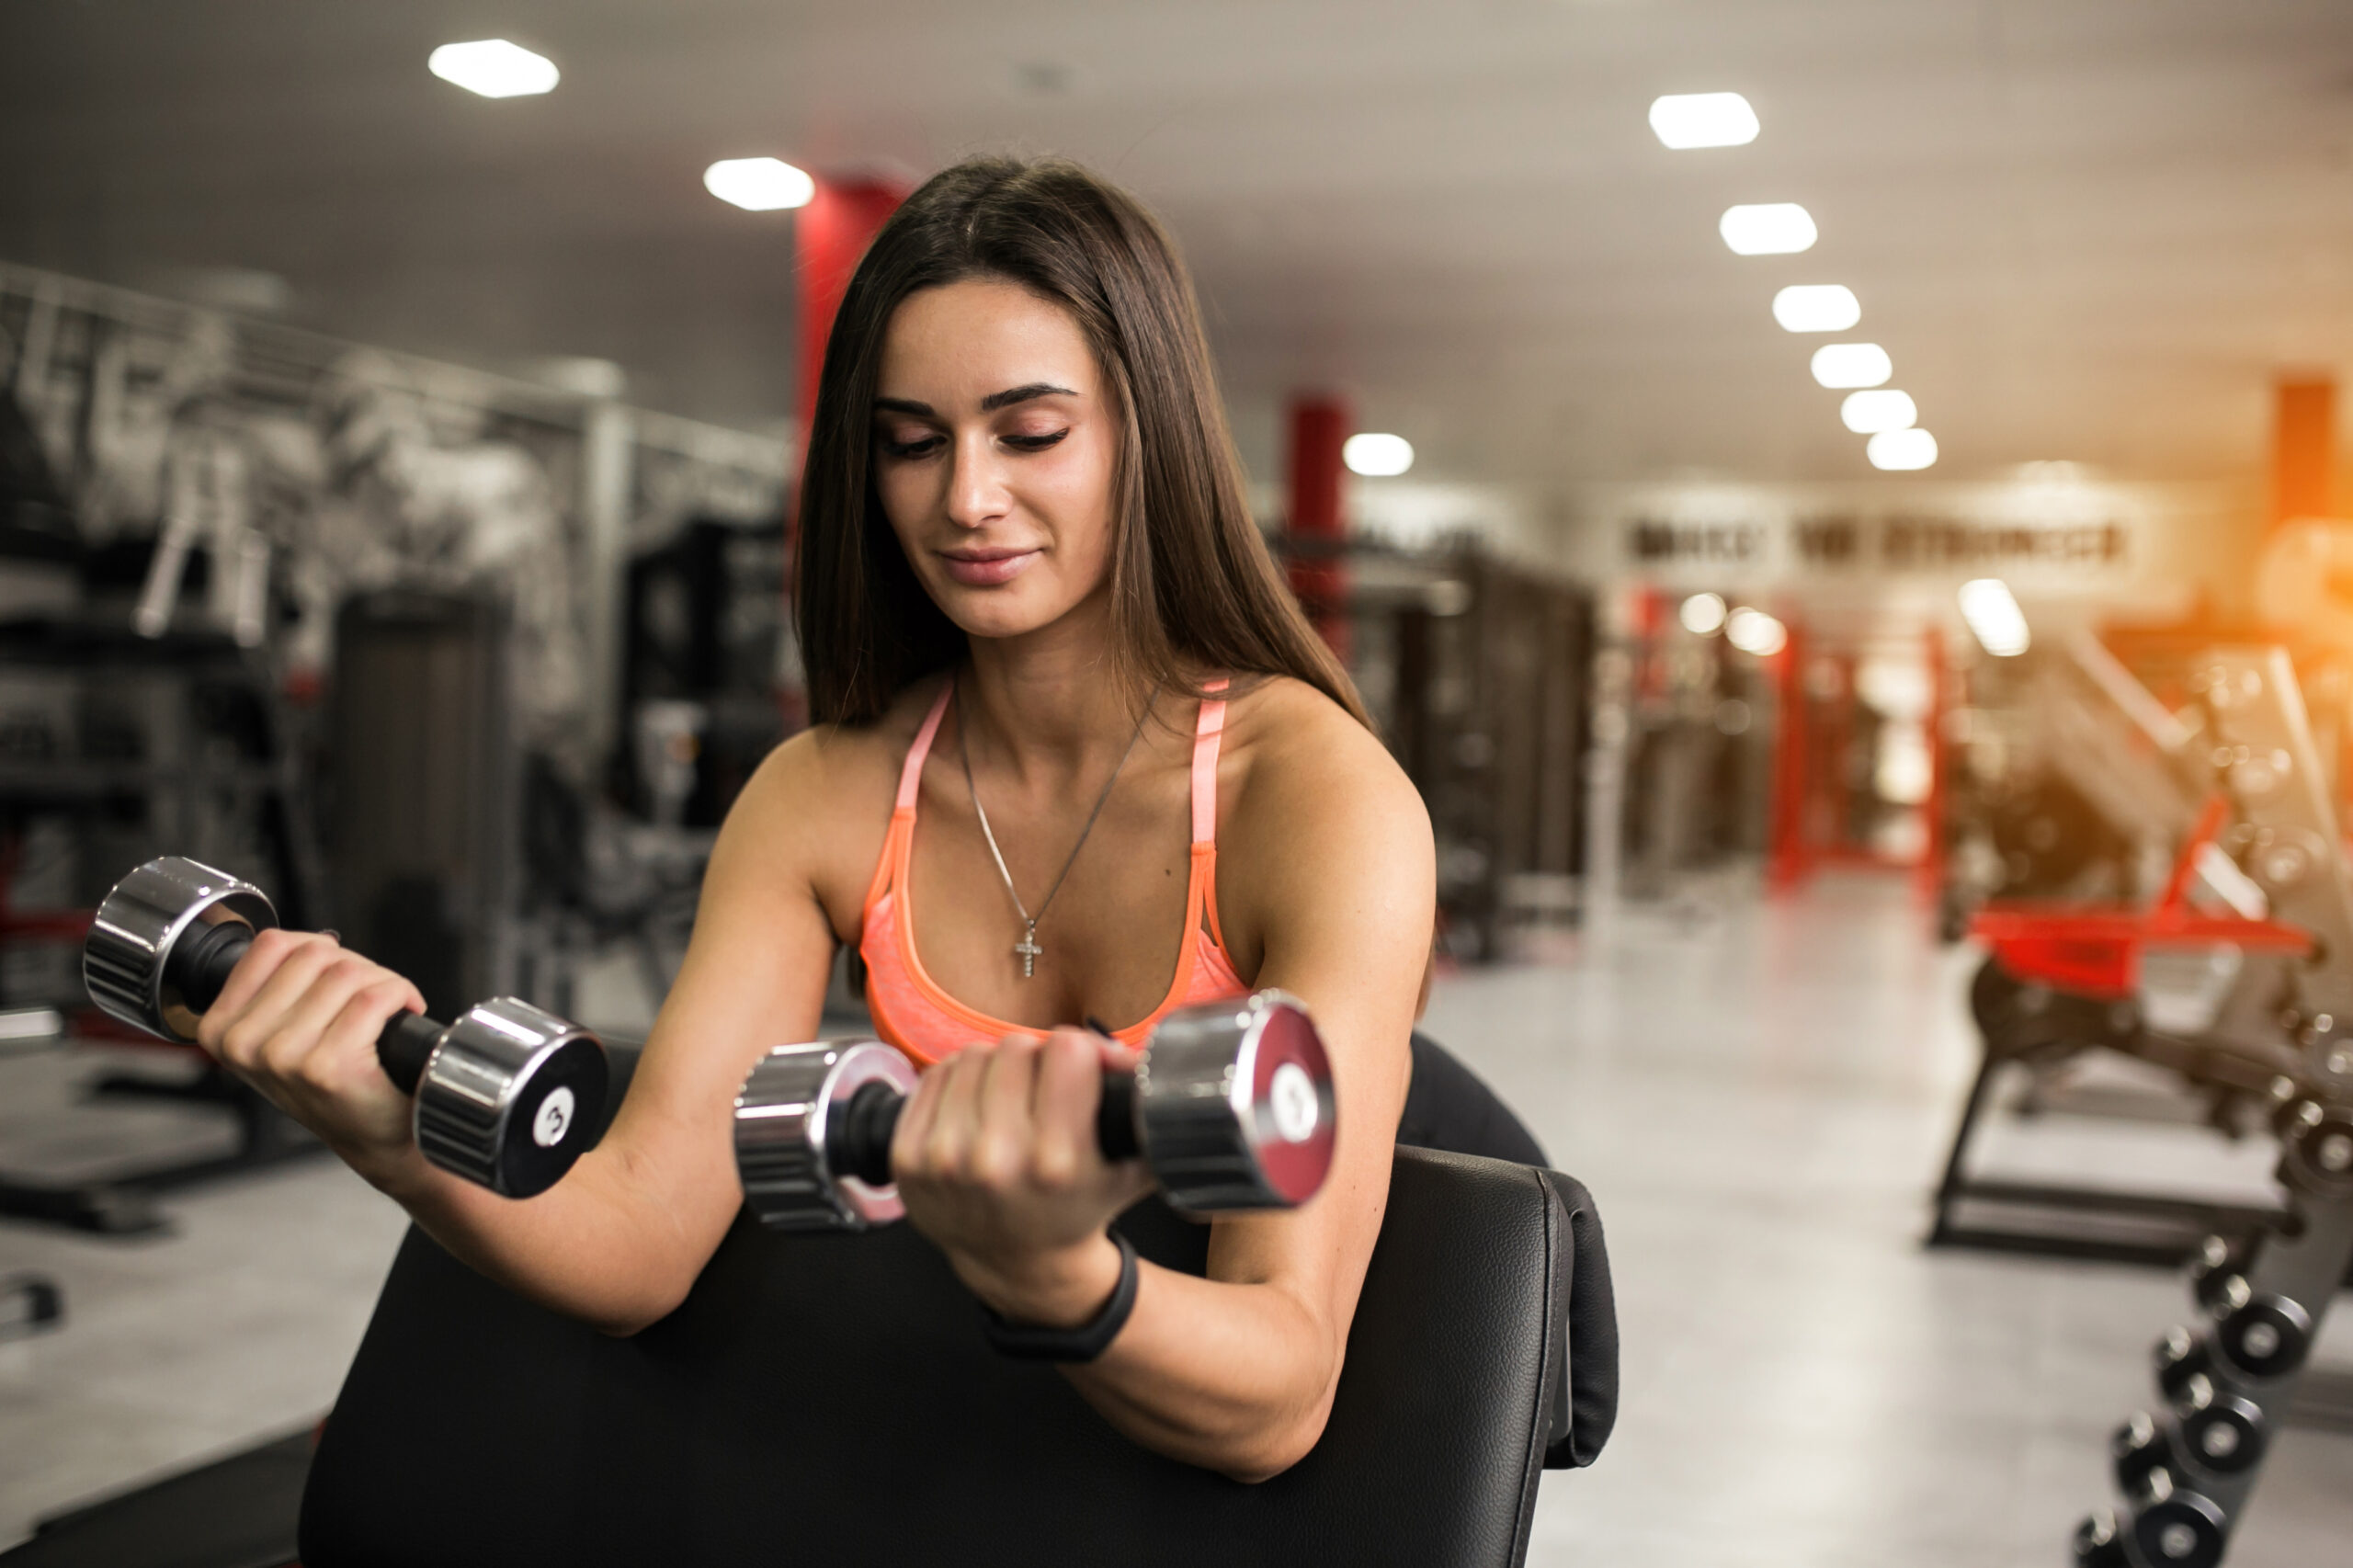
{"x": 2285, "y": 1037}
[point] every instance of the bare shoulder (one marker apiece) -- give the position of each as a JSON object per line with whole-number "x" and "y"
{"x": 1304, "y": 757}
{"x": 817, "y": 808}
{"x": 1327, "y": 872}
{"x": 1318, "y": 800}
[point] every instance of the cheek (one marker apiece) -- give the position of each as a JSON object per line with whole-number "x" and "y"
{"x": 904, "y": 494}
{"x": 1075, "y": 494}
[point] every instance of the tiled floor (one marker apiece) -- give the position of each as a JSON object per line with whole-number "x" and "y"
{"x": 1757, "y": 1095}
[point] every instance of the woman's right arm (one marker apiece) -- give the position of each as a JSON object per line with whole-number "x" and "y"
{"x": 620, "y": 1239}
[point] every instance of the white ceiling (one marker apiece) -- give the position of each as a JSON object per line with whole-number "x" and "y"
{"x": 2089, "y": 230}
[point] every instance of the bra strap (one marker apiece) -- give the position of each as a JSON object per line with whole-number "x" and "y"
{"x": 911, "y": 775}
{"x": 1207, "y": 733}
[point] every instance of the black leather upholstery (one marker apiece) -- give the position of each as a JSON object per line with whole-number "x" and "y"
{"x": 828, "y": 1399}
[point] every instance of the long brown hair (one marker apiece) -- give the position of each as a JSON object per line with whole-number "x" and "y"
{"x": 1193, "y": 587}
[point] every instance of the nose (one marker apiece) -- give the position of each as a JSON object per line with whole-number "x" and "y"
{"x": 976, "y": 494}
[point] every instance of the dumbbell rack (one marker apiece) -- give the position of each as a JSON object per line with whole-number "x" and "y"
{"x": 2187, "y": 1472}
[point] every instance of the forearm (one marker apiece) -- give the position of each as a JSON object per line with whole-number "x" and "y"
{"x": 1234, "y": 1378}
{"x": 612, "y": 1244}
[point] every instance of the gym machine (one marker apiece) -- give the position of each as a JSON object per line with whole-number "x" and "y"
{"x": 507, "y": 1097}
{"x": 2062, "y": 980}
{"x": 1231, "y": 1106}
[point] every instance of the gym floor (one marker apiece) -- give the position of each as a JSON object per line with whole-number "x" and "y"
{"x": 1758, "y": 1095}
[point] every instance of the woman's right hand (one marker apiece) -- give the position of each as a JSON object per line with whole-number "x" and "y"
{"x": 299, "y": 1020}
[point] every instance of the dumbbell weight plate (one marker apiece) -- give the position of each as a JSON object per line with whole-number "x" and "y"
{"x": 511, "y": 1096}
{"x": 2184, "y": 1530}
{"x": 2320, "y": 1152}
{"x": 783, "y": 1124}
{"x": 2265, "y": 1337}
{"x": 2217, "y": 1433}
{"x": 143, "y": 918}
{"x": 1235, "y": 1106}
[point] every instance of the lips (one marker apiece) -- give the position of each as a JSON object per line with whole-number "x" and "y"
{"x": 987, "y": 568}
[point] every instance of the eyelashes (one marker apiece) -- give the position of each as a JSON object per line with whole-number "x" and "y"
{"x": 931, "y": 444}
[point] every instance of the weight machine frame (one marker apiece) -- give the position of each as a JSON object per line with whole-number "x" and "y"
{"x": 2059, "y": 980}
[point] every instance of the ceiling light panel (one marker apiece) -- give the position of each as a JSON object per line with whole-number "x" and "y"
{"x": 1377, "y": 455}
{"x": 1869, "y": 412}
{"x": 1993, "y": 616}
{"x": 1841, "y": 365}
{"x": 1899, "y": 451}
{"x": 1772, "y": 228}
{"x": 494, "y": 68}
{"x": 758, "y": 185}
{"x": 1816, "y": 307}
{"x": 1703, "y": 119}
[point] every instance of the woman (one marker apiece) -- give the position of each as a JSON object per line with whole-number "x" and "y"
{"x": 1077, "y": 757}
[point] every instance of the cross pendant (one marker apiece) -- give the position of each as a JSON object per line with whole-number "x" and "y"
{"x": 1029, "y": 950}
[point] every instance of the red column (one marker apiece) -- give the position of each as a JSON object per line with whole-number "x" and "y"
{"x": 1319, "y": 425}
{"x": 829, "y": 235}
{"x": 1787, "y": 858}
{"x": 2303, "y": 451}
{"x": 1932, "y": 860}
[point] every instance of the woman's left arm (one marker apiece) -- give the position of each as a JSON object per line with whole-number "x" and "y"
{"x": 1236, "y": 1371}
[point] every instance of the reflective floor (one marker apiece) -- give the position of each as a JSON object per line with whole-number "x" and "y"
{"x": 1758, "y": 1094}
{"x": 1759, "y": 1097}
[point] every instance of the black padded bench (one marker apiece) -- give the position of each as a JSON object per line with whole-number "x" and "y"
{"x": 828, "y": 1399}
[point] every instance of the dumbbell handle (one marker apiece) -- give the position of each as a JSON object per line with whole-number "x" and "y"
{"x": 858, "y": 1142}
{"x": 200, "y": 965}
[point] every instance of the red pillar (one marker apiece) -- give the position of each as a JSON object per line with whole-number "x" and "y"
{"x": 1932, "y": 860}
{"x": 2303, "y": 451}
{"x": 829, "y": 236}
{"x": 1319, "y": 425}
{"x": 1787, "y": 856}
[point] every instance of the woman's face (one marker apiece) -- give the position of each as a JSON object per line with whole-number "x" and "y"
{"x": 994, "y": 446}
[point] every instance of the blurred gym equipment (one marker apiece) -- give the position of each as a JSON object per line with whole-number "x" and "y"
{"x": 502, "y": 1093}
{"x": 2062, "y": 980}
{"x": 1230, "y": 1106}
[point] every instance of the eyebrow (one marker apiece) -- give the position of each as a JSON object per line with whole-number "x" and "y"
{"x": 989, "y": 404}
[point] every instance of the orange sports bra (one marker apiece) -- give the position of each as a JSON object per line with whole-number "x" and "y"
{"x": 910, "y": 1009}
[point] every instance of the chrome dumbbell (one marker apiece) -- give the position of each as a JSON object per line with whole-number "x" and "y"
{"x": 507, "y": 1097}
{"x": 1231, "y": 1106}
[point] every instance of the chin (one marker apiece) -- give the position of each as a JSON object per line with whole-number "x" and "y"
{"x": 1006, "y": 611}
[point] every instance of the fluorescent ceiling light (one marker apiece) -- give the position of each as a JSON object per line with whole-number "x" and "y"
{"x": 1901, "y": 449}
{"x": 1704, "y": 614}
{"x": 1753, "y": 632}
{"x": 1993, "y": 616}
{"x": 1816, "y": 307}
{"x": 1869, "y": 412}
{"x": 1703, "y": 119}
{"x": 1771, "y": 228}
{"x": 1377, "y": 455}
{"x": 1851, "y": 365}
{"x": 494, "y": 68}
{"x": 758, "y": 185}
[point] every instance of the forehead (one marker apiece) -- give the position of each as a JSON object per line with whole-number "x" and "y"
{"x": 959, "y": 342}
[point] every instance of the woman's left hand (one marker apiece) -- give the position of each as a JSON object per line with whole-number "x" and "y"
{"x": 996, "y": 1159}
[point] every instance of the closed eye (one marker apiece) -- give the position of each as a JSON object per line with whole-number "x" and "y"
{"x": 1034, "y": 443}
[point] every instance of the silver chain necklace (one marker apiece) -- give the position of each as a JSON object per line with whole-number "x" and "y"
{"x": 1028, "y": 950}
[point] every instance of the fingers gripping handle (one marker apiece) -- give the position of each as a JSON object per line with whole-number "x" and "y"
{"x": 858, "y": 1142}
{"x": 507, "y": 1098}
{"x": 200, "y": 966}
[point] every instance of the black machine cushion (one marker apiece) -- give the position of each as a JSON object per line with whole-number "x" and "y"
{"x": 828, "y": 1399}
